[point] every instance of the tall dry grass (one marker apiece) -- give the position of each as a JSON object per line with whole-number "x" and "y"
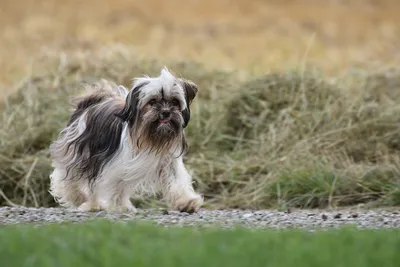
{"x": 283, "y": 139}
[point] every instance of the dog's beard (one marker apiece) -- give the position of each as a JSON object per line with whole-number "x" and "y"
{"x": 158, "y": 135}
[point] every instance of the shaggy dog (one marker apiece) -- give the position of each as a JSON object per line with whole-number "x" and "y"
{"x": 120, "y": 143}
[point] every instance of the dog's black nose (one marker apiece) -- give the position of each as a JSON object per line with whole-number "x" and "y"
{"x": 165, "y": 114}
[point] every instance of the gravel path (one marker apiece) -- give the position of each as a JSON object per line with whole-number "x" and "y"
{"x": 310, "y": 219}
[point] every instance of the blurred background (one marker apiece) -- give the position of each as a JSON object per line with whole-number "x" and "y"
{"x": 299, "y": 101}
{"x": 252, "y": 36}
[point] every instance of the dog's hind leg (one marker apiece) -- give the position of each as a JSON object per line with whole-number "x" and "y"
{"x": 92, "y": 204}
{"x": 116, "y": 196}
{"x": 66, "y": 192}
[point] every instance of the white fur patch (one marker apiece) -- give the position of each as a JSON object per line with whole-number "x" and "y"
{"x": 166, "y": 83}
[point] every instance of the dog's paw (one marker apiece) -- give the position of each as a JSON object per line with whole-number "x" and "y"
{"x": 127, "y": 208}
{"x": 189, "y": 204}
{"x": 89, "y": 207}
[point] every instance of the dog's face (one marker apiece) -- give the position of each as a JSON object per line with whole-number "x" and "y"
{"x": 163, "y": 116}
{"x": 158, "y": 109}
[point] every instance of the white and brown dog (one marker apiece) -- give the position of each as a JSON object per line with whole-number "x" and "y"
{"x": 120, "y": 143}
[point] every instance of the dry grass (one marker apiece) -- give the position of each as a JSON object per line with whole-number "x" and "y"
{"x": 279, "y": 140}
{"x": 298, "y": 105}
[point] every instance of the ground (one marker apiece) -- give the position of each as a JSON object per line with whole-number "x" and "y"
{"x": 359, "y": 218}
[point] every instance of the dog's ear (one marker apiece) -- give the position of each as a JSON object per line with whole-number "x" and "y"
{"x": 131, "y": 109}
{"x": 191, "y": 90}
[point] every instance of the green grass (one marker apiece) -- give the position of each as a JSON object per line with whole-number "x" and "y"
{"x": 104, "y": 243}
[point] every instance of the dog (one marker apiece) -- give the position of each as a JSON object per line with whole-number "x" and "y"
{"x": 119, "y": 143}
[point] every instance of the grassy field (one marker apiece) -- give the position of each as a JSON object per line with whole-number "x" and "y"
{"x": 290, "y": 139}
{"x": 104, "y": 243}
{"x": 298, "y": 103}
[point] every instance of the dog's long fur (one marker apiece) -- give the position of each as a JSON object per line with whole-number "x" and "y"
{"x": 122, "y": 142}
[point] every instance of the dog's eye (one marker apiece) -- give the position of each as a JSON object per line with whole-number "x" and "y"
{"x": 175, "y": 102}
{"x": 152, "y": 102}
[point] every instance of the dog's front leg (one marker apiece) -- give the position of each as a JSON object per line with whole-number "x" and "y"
{"x": 179, "y": 192}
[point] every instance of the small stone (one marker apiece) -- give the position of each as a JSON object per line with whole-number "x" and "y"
{"x": 324, "y": 217}
{"x": 337, "y": 216}
{"x": 164, "y": 212}
{"x": 247, "y": 215}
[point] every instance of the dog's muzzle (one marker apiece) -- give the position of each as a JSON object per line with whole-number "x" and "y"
{"x": 165, "y": 116}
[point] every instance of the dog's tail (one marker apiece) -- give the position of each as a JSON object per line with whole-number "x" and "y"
{"x": 98, "y": 92}
{"x": 95, "y": 94}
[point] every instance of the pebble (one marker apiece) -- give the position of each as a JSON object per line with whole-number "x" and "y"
{"x": 309, "y": 219}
